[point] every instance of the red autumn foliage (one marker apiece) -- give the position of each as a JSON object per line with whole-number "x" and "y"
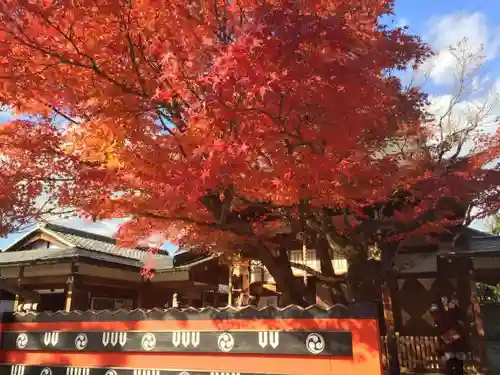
{"x": 213, "y": 122}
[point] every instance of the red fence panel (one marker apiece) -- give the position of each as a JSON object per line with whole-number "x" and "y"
{"x": 289, "y": 341}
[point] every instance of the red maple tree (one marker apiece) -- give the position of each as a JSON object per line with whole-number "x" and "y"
{"x": 222, "y": 123}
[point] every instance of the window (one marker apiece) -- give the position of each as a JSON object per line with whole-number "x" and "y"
{"x": 311, "y": 261}
{"x": 100, "y": 303}
{"x": 339, "y": 263}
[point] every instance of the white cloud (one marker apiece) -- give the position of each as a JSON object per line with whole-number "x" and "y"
{"x": 479, "y": 115}
{"x": 402, "y": 22}
{"x": 471, "y": 28}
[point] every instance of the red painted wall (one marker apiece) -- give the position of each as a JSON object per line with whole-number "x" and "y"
{"x": 366, "y": 358}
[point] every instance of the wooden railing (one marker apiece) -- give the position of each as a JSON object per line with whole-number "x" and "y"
{"x": 420, "y": 354}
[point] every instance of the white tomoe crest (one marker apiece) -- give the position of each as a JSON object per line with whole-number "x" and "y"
{"x": 225, "y": 342}
{"x": 81, "y": 342}
{"x": 110, "y": 372}
{"x": 77, "y": 371}
{"x": 315, "y": 343}
{"x": 185, "y": 338}
{"x": 22, "y": 340}
{"x": 50, "y": 338}
{"x": 148, "y": 341}
{"x": 46, "y": 371}
{"x": 114, "y": 338}
{"x": 17, "y": 370}
{"x": 269, "y": 337}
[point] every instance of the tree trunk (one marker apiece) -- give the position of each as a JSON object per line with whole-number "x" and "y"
{"x": 293, "y": 291}
{"x": 336, "y": 293}
{"x": 392, "y": 345}
{"x": 387, "y": 256}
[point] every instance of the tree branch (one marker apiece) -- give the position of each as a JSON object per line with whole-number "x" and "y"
{"x": 313, "y": 272}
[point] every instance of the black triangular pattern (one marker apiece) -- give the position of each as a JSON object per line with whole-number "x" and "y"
{"x": 356, "y": 310}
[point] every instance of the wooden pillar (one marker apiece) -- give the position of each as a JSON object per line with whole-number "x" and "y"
{"x": 175, "y": 300}
{"x": 230, "y": 287}
{"x": 476, "y": 322}
{"x": 387, "y": 253}
{"x": 216, "y": 278}
{"x": 216, "y": 297}
{"x": 19, "y": 284}
{"x": 16, "y": 303}
{"x": 392, "y": 343}
{"x": 142, "y": 290}
{"x": 203, "y": 292}
{"x": 139, "y": 298}
{"x": 70, "y": 290}
{"x": 244, "y": 272}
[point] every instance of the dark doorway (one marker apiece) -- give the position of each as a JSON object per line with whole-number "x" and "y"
{"x": 52, "y": 302}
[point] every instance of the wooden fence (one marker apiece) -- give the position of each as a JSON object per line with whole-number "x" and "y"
{"x": 420, "y": 354}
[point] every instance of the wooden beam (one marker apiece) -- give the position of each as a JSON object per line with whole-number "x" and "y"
{"x": 19, "y": 291}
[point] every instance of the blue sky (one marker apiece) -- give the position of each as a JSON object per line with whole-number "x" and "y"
{"x": 443, "y": 23}
{"x": 440, "y": 23}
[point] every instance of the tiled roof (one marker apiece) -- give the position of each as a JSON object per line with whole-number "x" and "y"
{"x": 471, "y": 232}
{"x": 79, "y": 243}
{"x": 489, "y": 244}
{"x": 89, "y": 245}
{"x": 477, "y": 245}
{"x": 95, "y": 242}
{"x": 47, "y": 255}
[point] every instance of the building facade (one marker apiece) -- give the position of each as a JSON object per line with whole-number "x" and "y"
{"x": 61, "y": 268}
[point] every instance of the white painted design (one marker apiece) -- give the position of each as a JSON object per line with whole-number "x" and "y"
{"x": 77, "y": 371}
{"x": 184, "y": 373}
{"x": 114, "y": 338}
{"x": 146, "y": 372}
{"x": 315, "y": 343}
{"x": 186, "y": 339}
{"x": 225, "y": 342}
{"x": 148, "y": 341}
{"x": 50, "y": 338}
{"x": 81, "y": 342}
{"x": 111, "y": 372}
{"x": 22, "y": 340}
{"x": 46, "y": 371}
{"x": 269, "y": 337}
{"x": 17, "y": 370}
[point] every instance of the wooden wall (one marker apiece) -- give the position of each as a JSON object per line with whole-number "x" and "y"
{"x": 414, "y": 293}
